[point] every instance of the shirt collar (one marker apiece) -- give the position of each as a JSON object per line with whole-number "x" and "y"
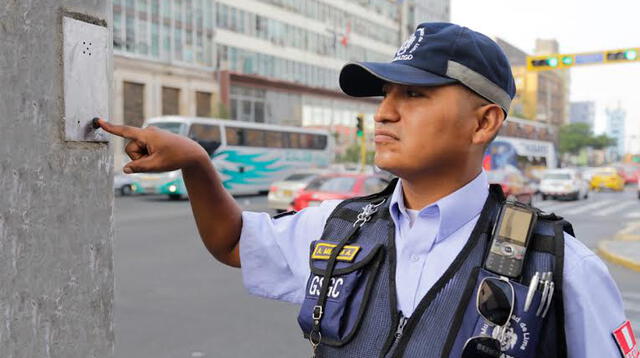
{"x": 453, "y": 211}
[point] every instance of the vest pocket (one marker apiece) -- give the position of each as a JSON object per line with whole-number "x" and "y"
{"x": 522, "y": 334}
{"x": 348, "y": 293}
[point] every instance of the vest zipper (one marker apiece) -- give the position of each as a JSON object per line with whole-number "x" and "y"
{"x": 402, "y": 322}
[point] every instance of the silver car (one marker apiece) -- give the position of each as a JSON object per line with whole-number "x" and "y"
{"x": 564, "y": 183}
{"x": 282, "y": 193}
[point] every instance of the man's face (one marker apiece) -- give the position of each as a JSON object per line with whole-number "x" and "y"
{"x": 424, "y": 129}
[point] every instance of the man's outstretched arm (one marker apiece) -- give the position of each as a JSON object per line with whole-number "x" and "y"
{"x": 218, "y": 217}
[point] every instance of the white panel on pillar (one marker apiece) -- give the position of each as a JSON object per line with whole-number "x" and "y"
{"x": 86, "y": 79}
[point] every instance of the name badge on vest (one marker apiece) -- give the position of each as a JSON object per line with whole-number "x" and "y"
{"x": 347, "y": 292}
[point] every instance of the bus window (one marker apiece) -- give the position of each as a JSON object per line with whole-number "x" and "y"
{"x": 235, "y": 135}
{"x": 206, "y": 132}
{"x": 292, "y": 140}
{"x": 207, "y": 135}
{"x": 306, "y": 141}
{"x": 319, "y": 141}
{"x": 274, "y": 139}
{"x": 175, "y": 128}
{"x": 254, "y": 138}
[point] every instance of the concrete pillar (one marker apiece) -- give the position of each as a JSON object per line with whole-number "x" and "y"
{"x": 56, "y": 260}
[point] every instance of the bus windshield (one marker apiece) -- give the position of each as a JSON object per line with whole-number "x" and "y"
{"x": 173, "y": 127}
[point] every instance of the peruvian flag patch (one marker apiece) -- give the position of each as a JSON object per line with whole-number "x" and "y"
{"x": 626, "y": 341}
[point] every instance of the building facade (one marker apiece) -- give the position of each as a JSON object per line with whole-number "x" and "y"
{"x": 273, "y": 61}
{"x": 583, "y": 112}
{"x": 541, "y": 96}
{"x": 616, "y": 118}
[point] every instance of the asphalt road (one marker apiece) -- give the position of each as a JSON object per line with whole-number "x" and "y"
{"x": 174, "y": 300}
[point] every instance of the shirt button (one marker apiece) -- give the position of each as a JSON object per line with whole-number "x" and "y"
{"x": 415, "y": 258}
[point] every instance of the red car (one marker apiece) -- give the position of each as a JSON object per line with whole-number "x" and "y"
{"x": 630, "y": 173}
{"x": 514, "y": 185}
{"x": 338, "y": 186}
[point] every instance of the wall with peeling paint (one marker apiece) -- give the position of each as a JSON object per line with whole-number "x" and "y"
{"x": 56, "y": 236}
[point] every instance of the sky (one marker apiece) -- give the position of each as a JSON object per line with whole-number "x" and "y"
{"x": 579, "y": 26}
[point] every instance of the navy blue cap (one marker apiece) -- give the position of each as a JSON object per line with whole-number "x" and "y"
{"x": 438, "y": 54}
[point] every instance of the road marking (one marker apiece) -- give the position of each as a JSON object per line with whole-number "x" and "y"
{"x": 631, "y": 295}
{"x": 615, "y": 208}
{"x": 633, "y": 215}
{"x": 632, "y": 307}
{"x": 592, "y": 206}
{"x": 558, "y": 208}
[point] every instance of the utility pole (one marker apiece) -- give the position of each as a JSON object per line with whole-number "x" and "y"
{"x": 56, "y": 215}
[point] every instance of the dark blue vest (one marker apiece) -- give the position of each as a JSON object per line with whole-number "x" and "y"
{"x": 359, "y": 317}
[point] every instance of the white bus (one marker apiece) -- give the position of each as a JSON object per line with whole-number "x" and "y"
{"x": 248, "y": 156}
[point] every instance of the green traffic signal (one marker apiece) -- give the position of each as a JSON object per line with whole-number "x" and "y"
{"x": 631, "y": 55}
{"x": 567, "y": 60}
{"x": 552, "y": 61}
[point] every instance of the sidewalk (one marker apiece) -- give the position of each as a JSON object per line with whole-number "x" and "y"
{"x": 624, "y": 249}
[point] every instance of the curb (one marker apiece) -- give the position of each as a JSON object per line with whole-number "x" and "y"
{"x": 617, "y": 259}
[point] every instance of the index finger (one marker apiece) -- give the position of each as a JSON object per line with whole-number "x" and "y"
{"x": 120, "y": 130}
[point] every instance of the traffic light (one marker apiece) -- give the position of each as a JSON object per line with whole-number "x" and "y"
{"x": 360, "y": 126}
{"x": 545, "y": 62}
{"x": 567, "y": 60}
{"x": 630, "y": 54}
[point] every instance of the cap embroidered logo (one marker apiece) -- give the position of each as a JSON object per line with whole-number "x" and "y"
{"x": 409, "y": 45}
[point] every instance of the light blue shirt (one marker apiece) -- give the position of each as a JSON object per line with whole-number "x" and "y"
{"x": 274, "y": 257}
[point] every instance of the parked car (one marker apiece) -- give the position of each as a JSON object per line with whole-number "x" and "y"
{"x": 564, "y": 184}
{"x": 125, "y": 185}
{"x": 628, "y": 172}
{"x": 513, "y": 183}
{"x": 338, "y": 186}
{"x": 607, "y": 178}
{"x": 282, "y": 193}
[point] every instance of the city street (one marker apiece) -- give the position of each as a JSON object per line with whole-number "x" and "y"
{"x": 174, "y": 300}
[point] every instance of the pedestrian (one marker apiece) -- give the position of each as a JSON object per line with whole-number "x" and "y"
{"x": 423, "y": 268}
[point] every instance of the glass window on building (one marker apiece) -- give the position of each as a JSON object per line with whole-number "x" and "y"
{"x": 188, "y": 13}
{"x": 118, "y": 41}
{"x": 142, "y": 36}
{"x": 170, "y": 101}
{"x": 166, "y": 41}
{"x": 166, "y": 9}
{"x": 177, "y": 43}
{"x": 188, "y": 47}
{"x": 208, "y": 14}
{"x": 258, "y": 112}
{"x": 130, "y": 43}
{"x": 224, "y": 16}
{"x": 177, "y": 12}
{"x": 155, "y": 40}
{"x": 133, "y": 94}
{"x": 245, "y": 110}
{"x": 155, "y": 9}
{"x": 234, "y": 108}
{"x": 203, "y": 104}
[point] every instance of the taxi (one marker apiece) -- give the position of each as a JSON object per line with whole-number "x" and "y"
{"x": 607, "y": 178}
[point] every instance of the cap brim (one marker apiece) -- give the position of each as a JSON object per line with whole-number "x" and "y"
{"x": 364, "y": 79}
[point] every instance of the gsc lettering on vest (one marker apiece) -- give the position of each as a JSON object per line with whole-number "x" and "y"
{"x": 334, "y": 287}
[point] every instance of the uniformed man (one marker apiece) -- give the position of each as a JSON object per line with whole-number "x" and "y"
{"x": 408, "y": 263}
